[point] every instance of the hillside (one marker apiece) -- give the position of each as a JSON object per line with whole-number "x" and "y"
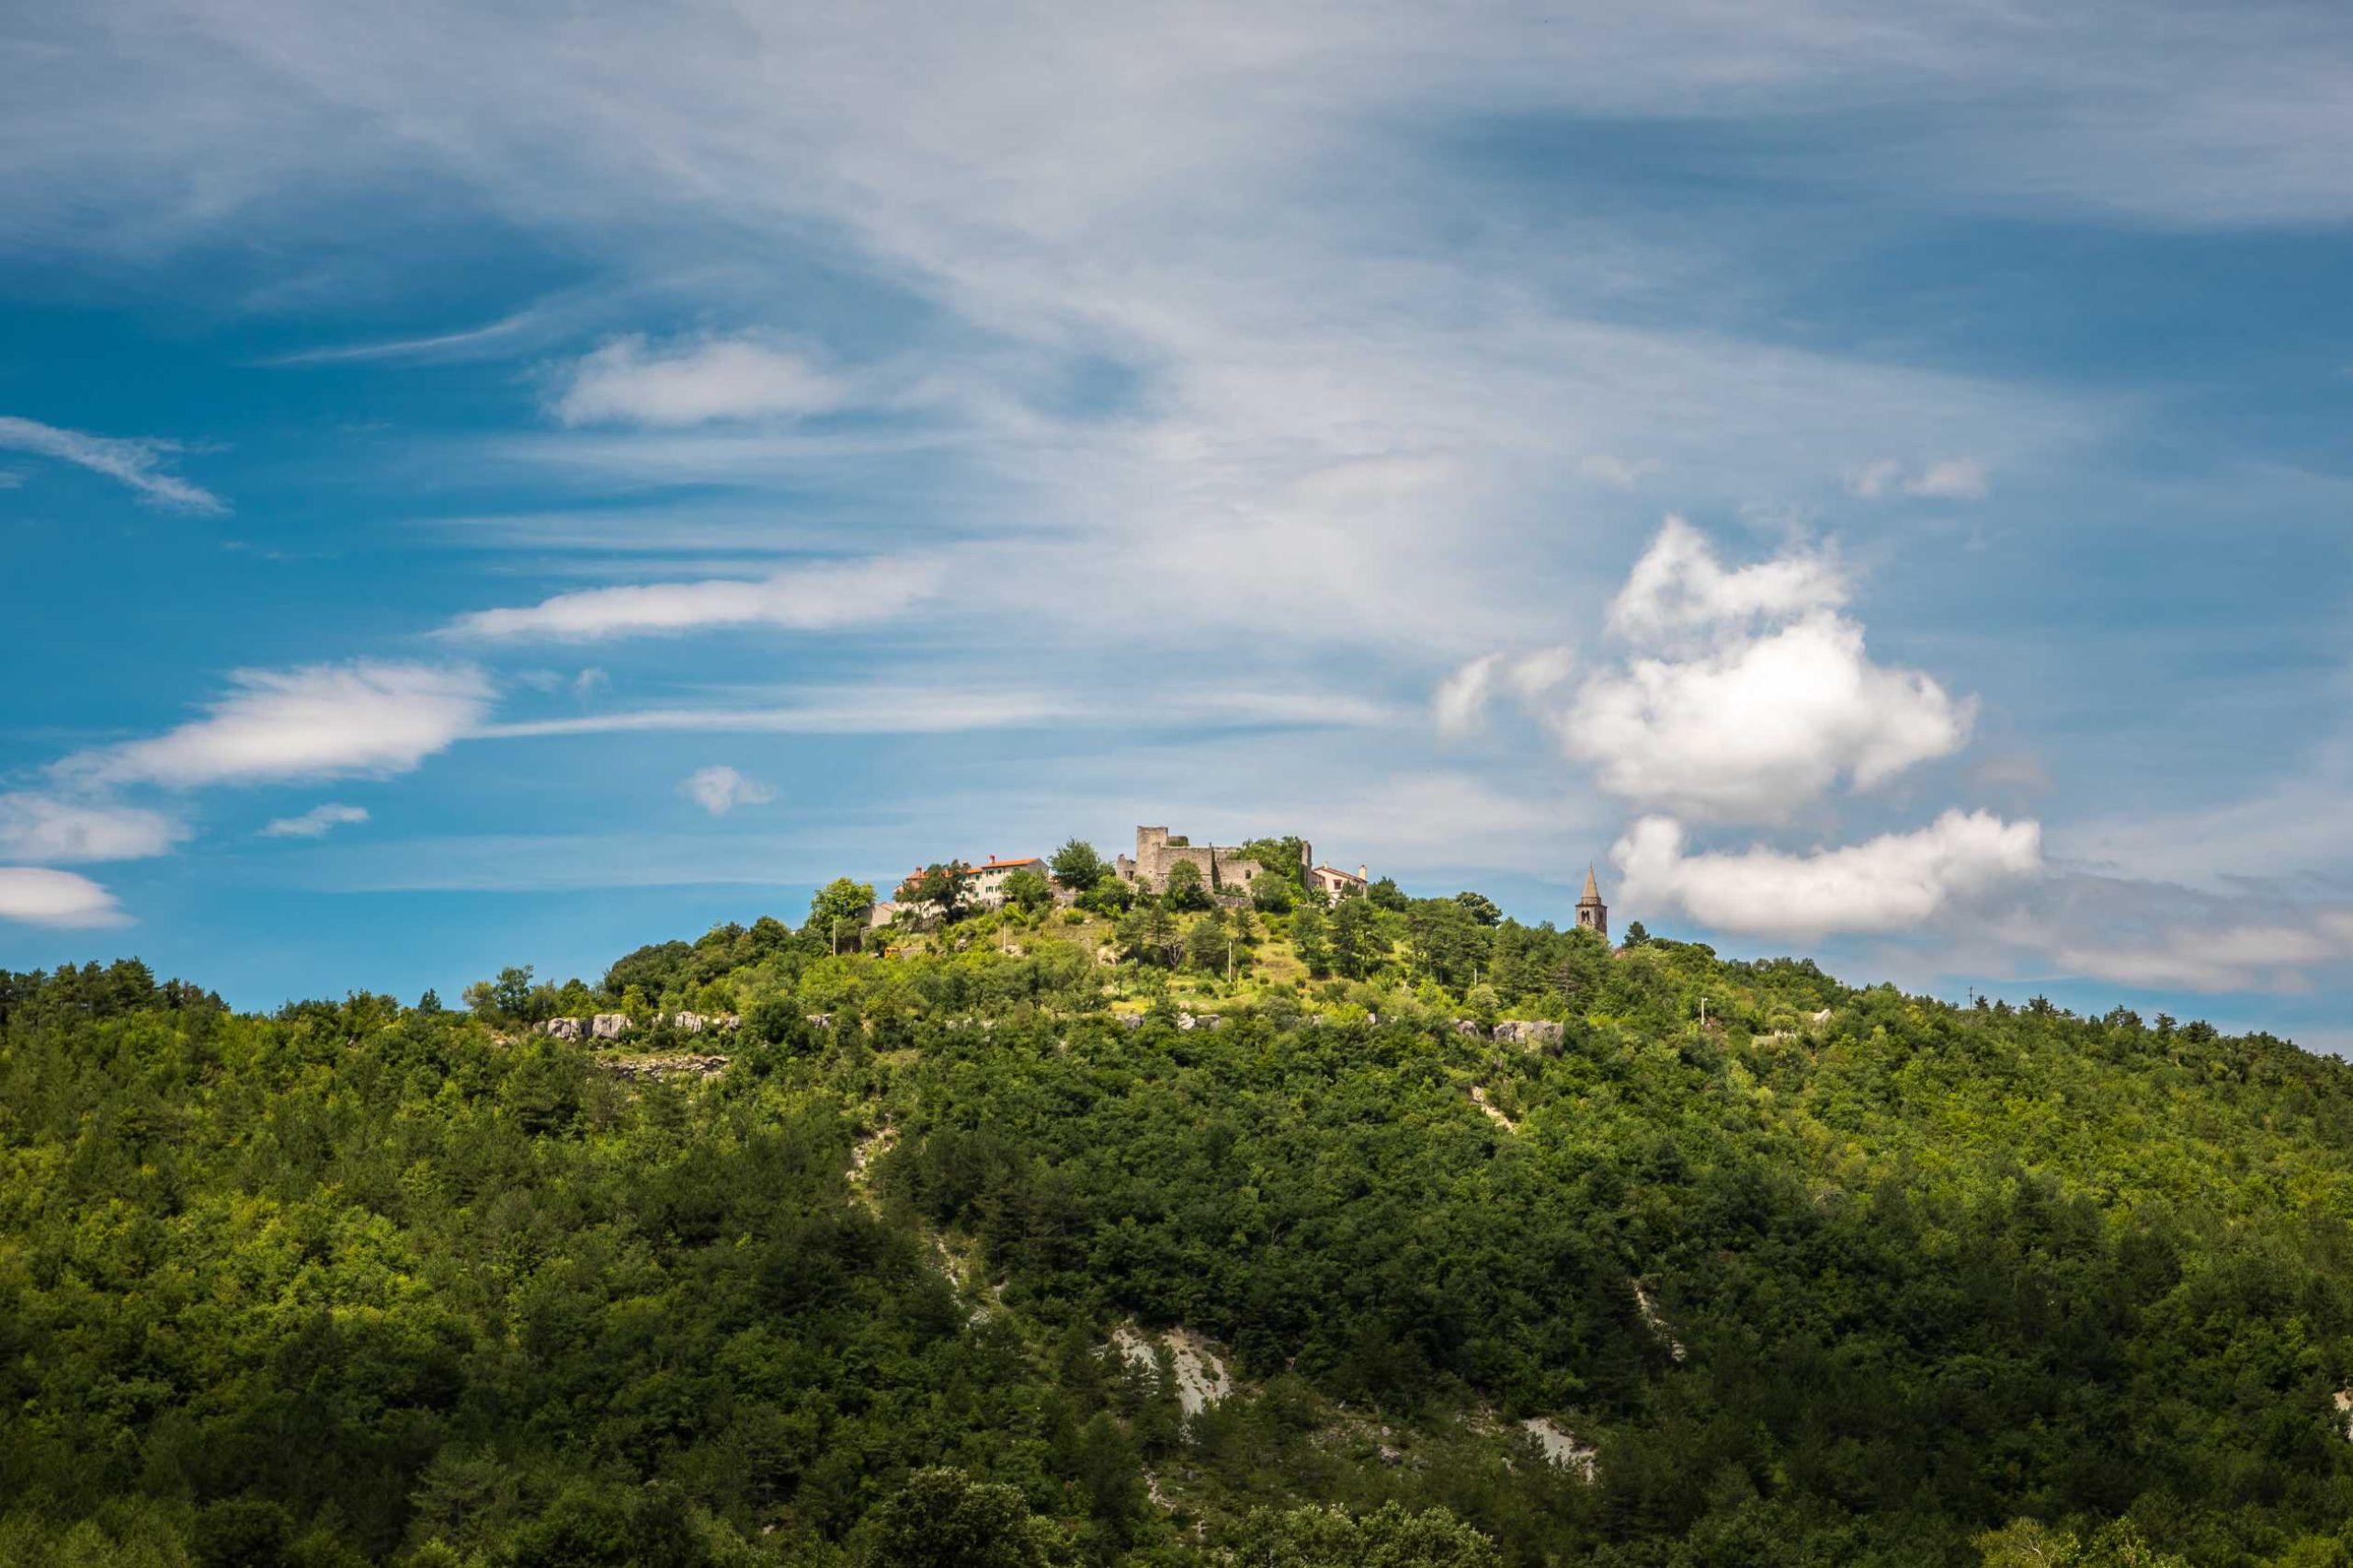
{"x": 1090, "y": 1235}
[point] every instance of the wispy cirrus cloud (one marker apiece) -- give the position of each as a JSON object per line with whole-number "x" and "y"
{"x": 489, "y": 337}
{"x": 1618, "y": 474}
{"x": 631, "y": 381}
{"x": 368, "y": 718}
{"x": 1459, "y": 705}
{"x": 2269, "y": 936}
{"x": 316, "y": 823}
{"x": 2260, "y": 955}
{"x": 1952, "y": 479}
{"x": 810, "y": 598}
{"x": 882, "y": 708}
{"x": 48, "y": 827}
{"x": 137, "y": 461}
{"x": 1329, "y": 399}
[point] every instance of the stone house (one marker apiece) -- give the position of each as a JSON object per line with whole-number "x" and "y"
{"x": 983, "y": 884}
{"x": 987, "y": 880}
{"x": 1335, "y": 884}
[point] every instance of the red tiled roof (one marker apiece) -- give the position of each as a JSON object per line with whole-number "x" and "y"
{"x": 994, "y": 865}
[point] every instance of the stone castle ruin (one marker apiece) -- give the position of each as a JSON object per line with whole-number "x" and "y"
{"x": 1224, "y": 869}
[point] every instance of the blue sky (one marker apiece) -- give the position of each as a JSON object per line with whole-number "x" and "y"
{"x": 1875, "y": 484}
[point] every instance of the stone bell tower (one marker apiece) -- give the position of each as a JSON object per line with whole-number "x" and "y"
{"x": 1592, "y": 914}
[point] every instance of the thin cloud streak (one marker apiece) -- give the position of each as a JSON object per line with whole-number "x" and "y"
{"x": 911, "y": 710}
{"x": 132, "y": 460}
{"x": 810, "y": 598}
{"x": 316, "y": 823}
{"x": 437, "y": 345}
{"x": 628, "y": 382}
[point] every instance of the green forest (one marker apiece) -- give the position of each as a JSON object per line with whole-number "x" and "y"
{"x": 1170, "y": 1230}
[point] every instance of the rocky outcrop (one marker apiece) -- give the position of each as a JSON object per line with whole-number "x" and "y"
{"x": 1532, "y": 1032}
{"x": 1655, "y": 1324}
{"x": 862, "y": 1155}
{"x": 659, "y": 1067}
{"x": 1200, "y": 1376}
{"x": 1560, "y": 1447}
{"x": 613, "y": 1026}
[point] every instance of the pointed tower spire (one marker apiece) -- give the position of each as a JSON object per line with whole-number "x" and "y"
{"x": 1592, "y": 914}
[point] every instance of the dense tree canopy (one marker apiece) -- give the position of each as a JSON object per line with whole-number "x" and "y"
{"x": 1844, "y": 1277}
{"x": 944, "y": 886}
{"x": 1077, "y": 866}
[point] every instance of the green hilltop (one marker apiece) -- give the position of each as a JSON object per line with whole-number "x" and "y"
{"x": 1153, "y": 1230}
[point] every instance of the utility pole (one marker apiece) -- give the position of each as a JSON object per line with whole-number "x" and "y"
{"x": 1704, "y": 1012}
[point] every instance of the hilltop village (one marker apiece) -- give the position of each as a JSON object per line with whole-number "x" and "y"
{"x": 1200, "y": 930}
{"x": 1163, "y": 862}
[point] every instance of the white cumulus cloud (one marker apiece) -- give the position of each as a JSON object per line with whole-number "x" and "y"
{"x": 1757, "y": 727}
{"x": 1680, "y": 586}
{"x": 1883, "y": 884}
{"x": 625, "y": 382}
{"x": 314, "y": 721}
{"x": 810, "y": 598}
{"x": 719, "y": 789}
{"x": 39, "y": 896}
{"x": 316, "y": 823}
{"x": 44, "y": 827}
{"x": 131, "y": 460}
